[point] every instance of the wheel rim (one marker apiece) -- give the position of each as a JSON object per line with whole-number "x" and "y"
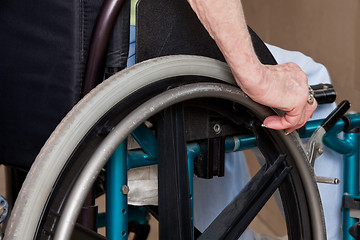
{"x": 310, "y": 186}
{"x": 129, "y": 124}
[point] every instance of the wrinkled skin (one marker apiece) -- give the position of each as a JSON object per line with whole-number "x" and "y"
{"x": 284, "y": 86}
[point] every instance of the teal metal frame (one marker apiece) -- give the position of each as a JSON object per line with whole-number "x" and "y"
{"x": 117, "y": 215}
{"x": 348, "y": 146}
{"x": 116, "y": 194}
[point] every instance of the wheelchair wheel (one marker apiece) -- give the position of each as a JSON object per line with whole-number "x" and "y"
{"x": 67, "y": 166}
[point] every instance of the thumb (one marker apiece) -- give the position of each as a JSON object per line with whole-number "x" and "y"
{"x": 277, "y": 122}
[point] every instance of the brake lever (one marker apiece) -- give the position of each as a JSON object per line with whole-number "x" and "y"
{"x": 314, "y": 147}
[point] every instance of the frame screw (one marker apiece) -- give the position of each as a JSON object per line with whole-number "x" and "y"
{"x": 125, "y": 189}
{"x": 217, "y": 128}
{"x": 320, "y": 151}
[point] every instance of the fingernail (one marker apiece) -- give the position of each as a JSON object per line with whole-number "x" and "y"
{"x": 287, "y": 133}
{"x": 263, "y": 125}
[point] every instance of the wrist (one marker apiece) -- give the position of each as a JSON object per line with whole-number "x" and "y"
{"x": 250, "y": 76}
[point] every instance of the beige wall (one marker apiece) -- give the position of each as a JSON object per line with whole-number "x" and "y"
{"x": 326, "y": 30}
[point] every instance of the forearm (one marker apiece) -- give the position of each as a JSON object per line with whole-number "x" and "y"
{"x": 280, "y": 86}
{"x": 225, "y": 22}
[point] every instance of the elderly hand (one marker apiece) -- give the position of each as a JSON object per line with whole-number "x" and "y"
{"x": 284, "y": 87}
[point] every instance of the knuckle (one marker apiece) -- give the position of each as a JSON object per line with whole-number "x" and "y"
{"x": 301, "y": 75}
{"x": 293, "y": 65}
{"x": 304, "y": 77}
{"x": 290, "y": 121}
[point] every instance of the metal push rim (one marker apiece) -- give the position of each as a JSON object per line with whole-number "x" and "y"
{"x": 183, "y": 65}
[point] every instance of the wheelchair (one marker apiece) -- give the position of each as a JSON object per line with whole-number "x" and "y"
{"x": 181, "y": 105}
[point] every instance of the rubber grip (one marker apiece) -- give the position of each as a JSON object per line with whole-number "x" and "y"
{"x": 336, "y": 114}
{"x": 324, "y": 93}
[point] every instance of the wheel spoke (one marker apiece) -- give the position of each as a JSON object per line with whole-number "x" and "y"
{"x": 236, "y": 217}
{"x": 174, "y": 199}
{"x": 81, "y": 232}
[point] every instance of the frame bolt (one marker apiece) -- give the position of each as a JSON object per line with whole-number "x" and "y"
{"x": 125, "y": 189}
{"x": 320, "y": 151}
{"x": 217, "y": 128}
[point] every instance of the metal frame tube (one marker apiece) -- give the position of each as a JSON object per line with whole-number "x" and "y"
{"x": 116, "y": 195}
{"x": 103, "y": 28}
{"x": 351, "y": 181}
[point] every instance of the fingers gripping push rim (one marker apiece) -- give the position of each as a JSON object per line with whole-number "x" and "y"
{"x": 69, "y": 133}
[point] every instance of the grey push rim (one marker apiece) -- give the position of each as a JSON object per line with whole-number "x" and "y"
{"x": 155, "y": 70}
{"x": 129, "y": 124}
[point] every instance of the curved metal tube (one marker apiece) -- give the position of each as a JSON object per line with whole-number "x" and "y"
{"x": 139, "y": 115}
{"x": 103, "y": 28}
{"x": 123, "y": 129}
